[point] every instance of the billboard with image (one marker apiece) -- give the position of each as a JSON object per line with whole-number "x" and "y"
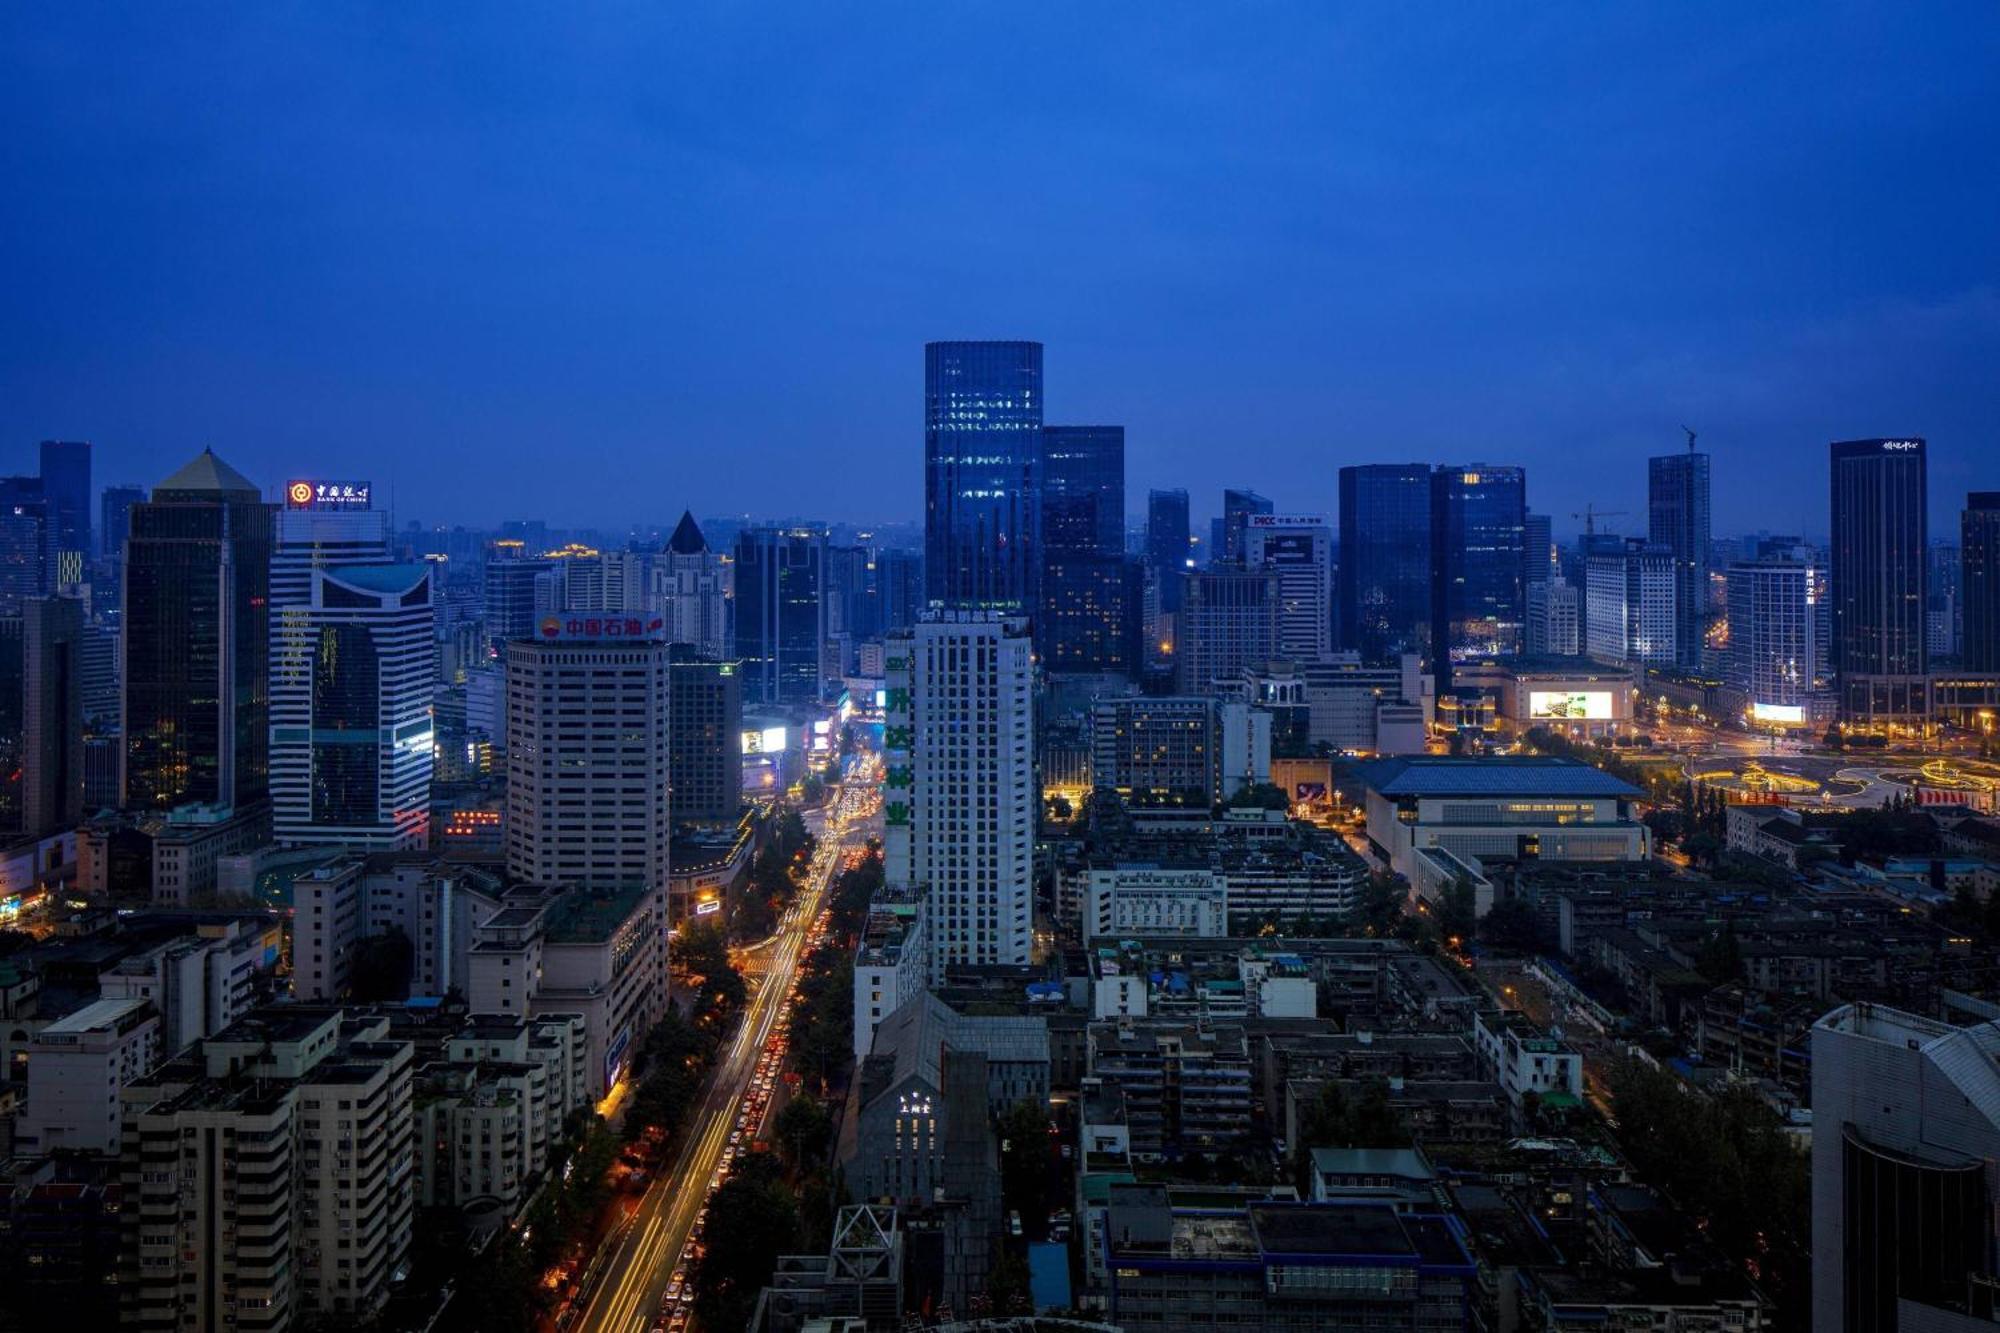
{"x": 1570, "y": 705}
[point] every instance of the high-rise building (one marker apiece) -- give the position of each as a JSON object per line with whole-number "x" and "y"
{"x": 1299, "y": 549}
{"x": 115, "y": 517}
{"x": 309, "y": 535}
{"x": 1880, "y": 528}
{"x": 1555, "y": 619}
{"x": 1228, "y": 621}
{"x": 1087, "y": 620}
{"x": 615, "y": 581}
{"x": 1167, "y": 550}
{"x": 51, "y": 714}
{"x": 1905, "y": 1141}
{"x": 1538, "y": 550}
{"x": 197, "y": 641}
{"x": 1478, "y": 530}
{"x": 352, "y": 680}
{"x": 66, "y": 483}
{"x": 1083, "y": 489}
{"x": 27, "y": 529}
{"x": 781, "y": 613}
{"x": 1384, "y": 575}
{"x": 899, "y": 583}
{"x": 1631, "y": 605}
{"x": 1979, "y": 580}
{"x": 512, "y": 580}
{"x": 1237, "y": 508}
{"x": 959, "y": 808}
{"x": 982, "y": 474}
{"x": 1677, "y": 510}
{"x": 691, "y": 588}
{"x": 1778, "y": 623}
{"x": 705, "y": 745}
{"x": 587, "y": 757}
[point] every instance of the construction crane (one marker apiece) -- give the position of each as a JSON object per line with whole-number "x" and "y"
{"x": 1690, "y": 435}
{"x": 1592, "y": 513}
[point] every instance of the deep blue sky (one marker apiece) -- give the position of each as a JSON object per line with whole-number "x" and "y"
{"x": 592, "y": 262}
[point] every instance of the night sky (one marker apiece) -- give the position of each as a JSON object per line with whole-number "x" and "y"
{"x": 595, "y": 262}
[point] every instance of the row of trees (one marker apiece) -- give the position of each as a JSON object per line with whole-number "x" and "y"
{"x": 773, "y": 879}
{"x": 1726, "y": 1160}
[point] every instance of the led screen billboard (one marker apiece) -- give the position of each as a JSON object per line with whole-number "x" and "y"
{"x": 1570, "y": 705}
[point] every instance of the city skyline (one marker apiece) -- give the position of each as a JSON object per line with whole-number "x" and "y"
{"x": 619, "y": 251}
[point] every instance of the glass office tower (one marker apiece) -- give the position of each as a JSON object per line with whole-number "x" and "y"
{"x": 781, "y": 621}
{"x": 197, "y": 641}
{"x": 1880, "y": 529}
{"x": 1677, "y": 518}
{"x": 982, "y": 474}
{"x": 1383, "y": 576}
{"x": 1089, "y": 608}
{"x": 1479, "y": 527}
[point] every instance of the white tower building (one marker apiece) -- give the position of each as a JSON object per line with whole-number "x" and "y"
{"x": 1300, "y": 548}
{"x": 960, "y": 804}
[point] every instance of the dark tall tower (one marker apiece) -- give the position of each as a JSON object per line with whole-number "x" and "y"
{"x": 1088, "y": 616}
{"x": 1167, "y": 544}
{"x": 982, "y": 474}
{"x": 115, "y": 515}
{"x": 1237, "y": 507}
{"x": 1083, "y": 489}
{"x": 197, "y": 641}
{"x": 1382, "y": 583}
{"x": 52, "y": 714}
{"x": 1677, "y": 518}
{"x": 1479, "y": 526}
{"x": 781, "y": 613}
{"x": 1979, "y": 580}
{"x": 705, "y": 737}
{"x": 1880, "y": 534}
{"x": 66, "y": 481}
{"x": 27, "y": 524}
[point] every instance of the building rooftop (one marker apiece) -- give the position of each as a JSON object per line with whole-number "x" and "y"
{"x": 581, "y": 917}
{"x": 97, "y": 1016}
{"x": 1497, "y": 776}
{"x": 206, "y": 474}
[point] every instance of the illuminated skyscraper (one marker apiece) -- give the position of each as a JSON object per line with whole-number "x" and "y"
{"x": 1677, "y": 509}
{"x": 1478, "y": 531}
{"x": 1880, "y": 532}
{"x": 1630, "y": 604}
{"x": 1778, "y": 619}
{"x": 982, "y": 474}
{"x": 197, "y": 641}
{"x": 1384, "y": 574}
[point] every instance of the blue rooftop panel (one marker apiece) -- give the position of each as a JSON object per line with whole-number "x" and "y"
{"x": 1538, "y": 775}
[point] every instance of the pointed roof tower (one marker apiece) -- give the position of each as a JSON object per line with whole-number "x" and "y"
{"x": 207, "y": 477}
{"x": 687, "y": 538}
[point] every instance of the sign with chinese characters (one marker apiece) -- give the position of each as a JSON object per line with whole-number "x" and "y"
{"x": 327, "y": 494}
{"x": 578, "y": 626}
